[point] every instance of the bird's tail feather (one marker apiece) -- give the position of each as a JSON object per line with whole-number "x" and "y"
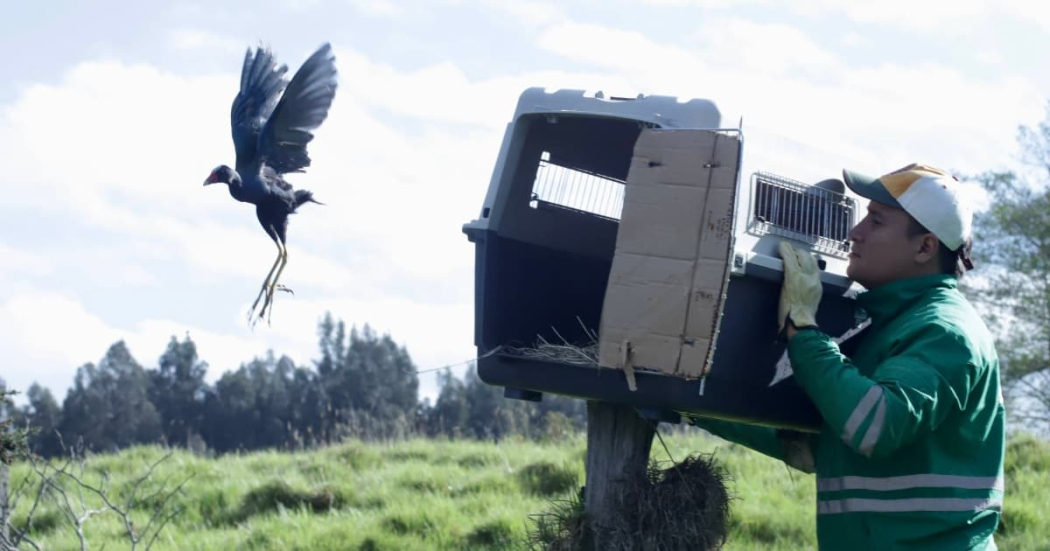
{"x": 303, "y": 196}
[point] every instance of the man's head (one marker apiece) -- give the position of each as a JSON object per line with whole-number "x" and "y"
{"x": 917, "y": 224}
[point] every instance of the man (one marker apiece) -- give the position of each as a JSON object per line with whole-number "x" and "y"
{"x": 910, "y": 453}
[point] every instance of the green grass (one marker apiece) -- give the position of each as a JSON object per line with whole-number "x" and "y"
{"x": 456, "y": 495}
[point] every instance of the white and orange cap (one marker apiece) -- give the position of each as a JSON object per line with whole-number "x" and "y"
{"x": 930, "y": 195}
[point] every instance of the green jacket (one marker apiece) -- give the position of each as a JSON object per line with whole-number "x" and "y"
{"x": 910, "y": 454}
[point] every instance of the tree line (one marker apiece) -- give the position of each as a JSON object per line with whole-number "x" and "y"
{"x": 363, "y": 385}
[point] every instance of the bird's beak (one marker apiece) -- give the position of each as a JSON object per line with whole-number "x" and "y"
{"x": 210, "y": 180}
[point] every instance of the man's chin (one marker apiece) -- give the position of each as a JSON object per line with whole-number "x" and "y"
{"x": 854, "y": 272}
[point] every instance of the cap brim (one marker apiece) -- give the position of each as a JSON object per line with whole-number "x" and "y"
{"x": 869, "y": 188}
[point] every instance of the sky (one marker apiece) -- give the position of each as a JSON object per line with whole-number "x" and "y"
{"x": 112, "y": 114}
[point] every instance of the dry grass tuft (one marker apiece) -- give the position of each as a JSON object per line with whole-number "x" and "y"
{"x": 565, "y": 352}
{"x": 684, "y": 506}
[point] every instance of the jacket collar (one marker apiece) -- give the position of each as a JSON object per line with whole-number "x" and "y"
{"x": 886, "y": 301}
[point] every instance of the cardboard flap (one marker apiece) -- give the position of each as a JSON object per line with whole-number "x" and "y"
{"x": 671, "y": 267}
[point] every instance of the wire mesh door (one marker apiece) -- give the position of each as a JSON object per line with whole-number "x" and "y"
{"x": 814, "y": 215}
{"x": 562, "y": 187}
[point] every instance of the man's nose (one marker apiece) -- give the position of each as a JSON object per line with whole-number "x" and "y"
{"x": 855, "y": 233}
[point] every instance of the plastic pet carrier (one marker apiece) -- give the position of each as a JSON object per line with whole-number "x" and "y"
{"x": 626, "y": 253}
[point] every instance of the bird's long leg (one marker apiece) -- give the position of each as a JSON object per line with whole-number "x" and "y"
{"x": 274, "y": 286}
{"x": 266, "y": 282}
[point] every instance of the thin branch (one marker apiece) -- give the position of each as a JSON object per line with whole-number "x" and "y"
{"x": 16, "y": 497}
{"x": 160, "y": 508}
{"x": 22, "y": 534}
{"x": 160, "y": 527}
{"x": 65, "y": 506}
{"x": 72, "y": 503}
{"x": 12, "y": 544}
{"x": 131, "y": 501}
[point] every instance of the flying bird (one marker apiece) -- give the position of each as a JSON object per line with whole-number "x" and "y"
{"x": 272, "y": 121}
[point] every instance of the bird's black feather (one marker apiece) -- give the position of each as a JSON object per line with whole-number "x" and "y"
{"x": 302, "y": 108}
{"x": 261, "y": 85}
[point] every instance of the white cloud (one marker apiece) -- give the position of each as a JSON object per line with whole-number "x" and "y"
{"x": 945, "y": 17}
{"x": 47, "y": 335}
{"x": 18, "y": 261}
{"x": 618, "y": 49}
{"x": 434, "y": 334}
{"x": 991, "y": 58}
{"x": 1029, "y": 12}
{"x": 96, "y": 117}
{"x": 852, "y": 38}
{"x": 386, "y": 249}
{"x": 528, "y": 12}
{"x": 769, "y": 48}
{"x": 942, "y": 16}
{"x": 199, "y": 39}
{"x": 132, "y": 129}
{"x": 381, "y": 8}
{"x": 711, "y": 4}
{"x": 440, "y": 93}
{"x": 872, "y": 113}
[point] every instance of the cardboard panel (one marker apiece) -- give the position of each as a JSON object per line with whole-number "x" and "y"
{"x": 694, "y": 358}
{"x": 670, "y": 270}
{"x": 660, "y": 221}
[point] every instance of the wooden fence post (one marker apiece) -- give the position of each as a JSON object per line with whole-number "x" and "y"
{"x": 618, "y": 444}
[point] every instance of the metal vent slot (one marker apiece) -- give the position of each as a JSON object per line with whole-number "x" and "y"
{"x": 557, "y": 186}
{"x": 818, "y": 216}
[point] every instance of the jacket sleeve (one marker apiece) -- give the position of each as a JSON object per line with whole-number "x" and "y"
{"x": 793, "y": 448}
{"x": 907, "y": 396}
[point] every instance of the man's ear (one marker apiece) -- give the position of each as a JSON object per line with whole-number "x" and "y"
{"x": 928, "y": 247}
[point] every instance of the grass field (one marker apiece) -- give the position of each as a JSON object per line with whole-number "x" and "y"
{"x": 424, "y": 494}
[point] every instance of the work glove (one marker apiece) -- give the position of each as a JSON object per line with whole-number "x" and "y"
{"x": 800, "y": 294}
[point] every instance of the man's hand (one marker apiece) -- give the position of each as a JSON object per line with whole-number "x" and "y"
{"x": 800, "y": 294}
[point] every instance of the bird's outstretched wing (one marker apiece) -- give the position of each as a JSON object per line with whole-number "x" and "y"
{"x": 261, "y": 85}
{"x": 302, "y": 108}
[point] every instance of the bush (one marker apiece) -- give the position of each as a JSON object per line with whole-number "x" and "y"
{"x": 278, "y": 494}
{"x": 547, "y": 479}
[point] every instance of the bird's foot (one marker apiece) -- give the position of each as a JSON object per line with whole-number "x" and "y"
{"x": 262, "y": 313}
{"x": 267, "y": 310}
{"x": 254, "y": 316}
{"x": 267, "y": 307}
{"x": 254, "y": 319}
{"x": 264, "y": 292}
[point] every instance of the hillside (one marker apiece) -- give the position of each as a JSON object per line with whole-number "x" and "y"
{"x": 426, "y": 494}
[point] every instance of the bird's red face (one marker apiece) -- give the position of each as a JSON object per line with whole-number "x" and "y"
{"x": 212, "y": 178}
{"x": 221, "y": 175}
